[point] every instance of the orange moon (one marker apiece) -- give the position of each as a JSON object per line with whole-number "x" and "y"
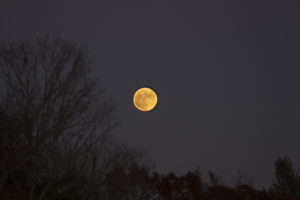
{"x": 145, "y": 99}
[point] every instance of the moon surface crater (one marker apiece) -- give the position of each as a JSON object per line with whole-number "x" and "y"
{"x": 145, "y": 99}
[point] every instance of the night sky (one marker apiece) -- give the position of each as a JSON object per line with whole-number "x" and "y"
{"x": 226, "y": 74}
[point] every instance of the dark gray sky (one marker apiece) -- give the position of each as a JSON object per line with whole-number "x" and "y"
{"x": 226, "y": 74}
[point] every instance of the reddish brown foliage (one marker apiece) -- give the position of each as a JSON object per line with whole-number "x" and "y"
{"x": 190, "y": 187}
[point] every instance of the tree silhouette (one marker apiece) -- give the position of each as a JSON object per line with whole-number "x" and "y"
{"x": 214, "y": 179}
{"x": 286, "y": 179}
{"x": 242, "y": 178}
{"x": 55, "y": 124}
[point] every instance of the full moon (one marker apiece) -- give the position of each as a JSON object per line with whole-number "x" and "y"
{"x": 145, "y": 99}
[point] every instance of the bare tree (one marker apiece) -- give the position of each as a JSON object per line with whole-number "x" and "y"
{"x": 53, "y": 114}
{"x": 121, "y": 173}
